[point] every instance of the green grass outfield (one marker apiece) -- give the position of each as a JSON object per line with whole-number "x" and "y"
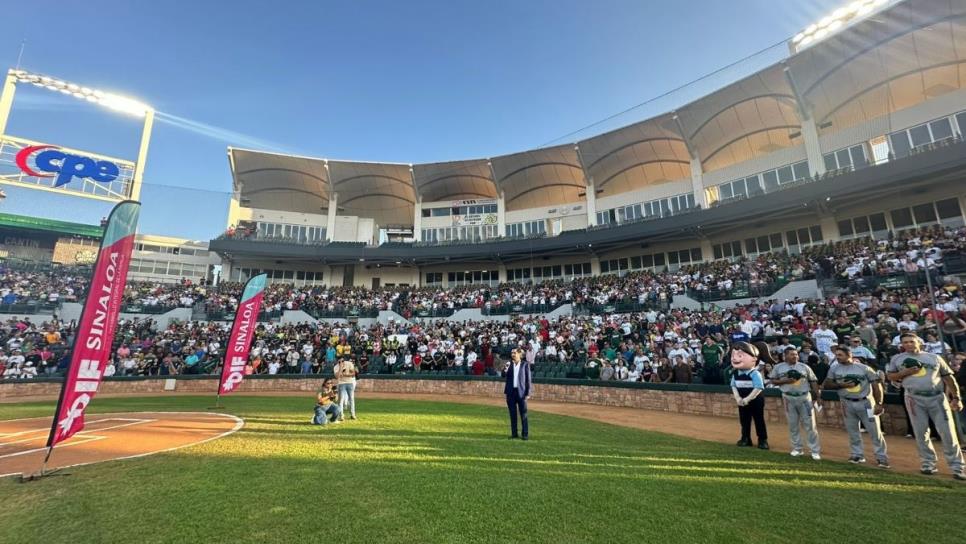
{"x": 435, "y": 472}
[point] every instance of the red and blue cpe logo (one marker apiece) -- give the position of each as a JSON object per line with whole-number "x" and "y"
{"x": 50, "y": 162}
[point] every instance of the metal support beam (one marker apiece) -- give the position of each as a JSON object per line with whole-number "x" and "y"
{"x": 697, "y": 170}
{"x": 590, "y": 190}
{"x": 330, "y": 219}
{"x": 138, "y": 178}
{"x": 6, "y": 100}
{"x": 813, "y": 147}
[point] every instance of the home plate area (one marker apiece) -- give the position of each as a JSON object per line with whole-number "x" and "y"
{"x": 107, "y": 437}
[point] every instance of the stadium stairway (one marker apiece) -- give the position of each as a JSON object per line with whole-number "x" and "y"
{"x": 801, "y": 289}
{"x": 70, "y": 311}
{"x": 198, "y": 312}
{"x": 297, "y": 316}
{"x": 385, "y": 316}
{"x": 562, "y": 310}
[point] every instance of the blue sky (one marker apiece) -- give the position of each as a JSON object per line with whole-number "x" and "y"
{"x": 385, "y": 81}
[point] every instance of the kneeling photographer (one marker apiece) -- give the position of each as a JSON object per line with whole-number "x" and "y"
{"x": 326, "y": 408}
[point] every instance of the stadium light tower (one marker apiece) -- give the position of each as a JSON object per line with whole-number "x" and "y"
{"x": 121, "y": 104}
{"x": 836, "y": 21}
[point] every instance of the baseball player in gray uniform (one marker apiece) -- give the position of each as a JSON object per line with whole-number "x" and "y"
{"x": 796, "y": 381}
{"x": 855, "y": 383}
{"x": 928, "y": 381}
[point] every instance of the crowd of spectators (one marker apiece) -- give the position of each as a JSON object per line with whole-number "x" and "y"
{"x": 677, "y": 345}
{"x": 908, "y": 252}
{"x": 26, "y": 287}
{"x": 656, "y": 343}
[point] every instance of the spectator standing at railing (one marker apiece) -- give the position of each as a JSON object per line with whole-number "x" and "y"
{"x": 843, "y": 329}
{"x": 681, "y": 370}
{"x": 867, "y": 333}
{"x": 860, "y": 351}
{"x": 824, "y": 340}
{"x": 753, "y": 328}
{"x": 291, "y": 360}
{"x": 16, "y": 360}
{"x": 712, "y": 354}
{"x": 620, "y": 371}
{"x": 28, "y": 370}
{"x": 934, "y": 346}
{"x": 680, "y": 352}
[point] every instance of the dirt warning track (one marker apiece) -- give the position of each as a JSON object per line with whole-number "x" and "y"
{"x": 107, "y": 437}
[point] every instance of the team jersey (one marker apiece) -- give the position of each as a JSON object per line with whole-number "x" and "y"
{"x": 928, "y": 380}
{"x": 859, "y": 374}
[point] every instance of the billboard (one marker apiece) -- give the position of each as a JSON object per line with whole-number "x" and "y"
{"x": 38, "y": 165}
{"x": 474, "y": 212}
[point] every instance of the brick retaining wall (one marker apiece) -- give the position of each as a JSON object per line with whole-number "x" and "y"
{"x": 714, "y": 403}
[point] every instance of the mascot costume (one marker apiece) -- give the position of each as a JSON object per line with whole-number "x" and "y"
{"x": 747, "y": 385}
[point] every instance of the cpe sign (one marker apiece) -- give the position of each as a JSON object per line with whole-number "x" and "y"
{"x": 50, "y": 161}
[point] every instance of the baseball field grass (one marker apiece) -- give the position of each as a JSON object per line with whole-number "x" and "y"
{"x": 425, "y": 472}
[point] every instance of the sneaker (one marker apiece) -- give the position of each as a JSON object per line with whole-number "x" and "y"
{"x": 336, "y": 421}
{"x": 816, "y": 456}
{"x": 883, "y": 464}
{"x": 862, "y": 430}
{"x": 856, "y": 459}
{"x": 929, "y": 471}
{"x": 796, "y": 453}
{"x": 743, "y": 443}
{"x": 352, "y": 417}
{"x": 959, "y": 475}
{"x": 763, "y": 445}
{"x": 908, "y": 435}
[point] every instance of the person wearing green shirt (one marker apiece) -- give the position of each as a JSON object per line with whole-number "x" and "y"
{"x": 610, "y": 354}
{"x": 843, "y": 328}
{"x": 711, "y": 355}
{"x": 616, "y": 338}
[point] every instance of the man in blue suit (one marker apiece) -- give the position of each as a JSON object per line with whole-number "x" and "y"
{"x": 517, "y": 391}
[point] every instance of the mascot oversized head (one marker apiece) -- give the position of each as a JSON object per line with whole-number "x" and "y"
{"x": 744, "y": 356}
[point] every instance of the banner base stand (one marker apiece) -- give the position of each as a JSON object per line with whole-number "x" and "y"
{"x": 24, "y": 478}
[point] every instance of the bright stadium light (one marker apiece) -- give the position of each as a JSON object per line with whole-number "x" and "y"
{"x": 837, "y": 20}
{"x": 129, "y": 188}
{"x": 111, "y": 101}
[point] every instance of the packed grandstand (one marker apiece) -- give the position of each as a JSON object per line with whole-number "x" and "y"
{"x": 649, "y": 339}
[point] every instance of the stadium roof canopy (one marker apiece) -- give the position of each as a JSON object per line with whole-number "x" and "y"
{"x": 743, "y": 121}
{"x": 901, "y": 57}
{"x": 280, "y": 182}
{"x": 643, "y": 154}
{"x": 541, "y": 177}
{"x": 870, "y": 71}
{"x": 381, "y": 191}
{"x": 457, "y": 180}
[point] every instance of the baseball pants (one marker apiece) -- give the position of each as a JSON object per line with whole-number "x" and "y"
{"x": 856, "y": 411}
{"x": 801, "y": 414}
{"x": 936, "y": 407}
